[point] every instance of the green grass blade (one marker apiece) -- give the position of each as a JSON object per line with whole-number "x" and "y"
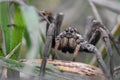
{"x": 118, "y": 0}
{"x": 4, "y": 21}
{"x": 18, "y": 66}
{"x": 17, "y": 31}
{"x": 32, "y": 22}
{"x": 1, "y": 51}
{"x": 13, "y": 51}
{"x": 30, "y": 1}
{"x": 27, "y": 38}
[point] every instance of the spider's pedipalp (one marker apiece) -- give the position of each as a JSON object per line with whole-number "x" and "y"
{"x": 76, "y": 52}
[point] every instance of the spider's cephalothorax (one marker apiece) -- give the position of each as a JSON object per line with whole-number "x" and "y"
{"x": 68, "y": 39}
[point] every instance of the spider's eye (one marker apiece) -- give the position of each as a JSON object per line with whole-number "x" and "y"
{"x": 66, "y": 30}
{"x": 95, "y": 22}
{"x": 71, "y": 30}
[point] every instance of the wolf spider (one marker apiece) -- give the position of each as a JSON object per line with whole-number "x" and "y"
{"x": 70, "y": 40}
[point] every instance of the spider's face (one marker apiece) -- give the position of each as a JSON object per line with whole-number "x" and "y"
{"x": 70, "y": 32}
{"x": 67, "y": 40}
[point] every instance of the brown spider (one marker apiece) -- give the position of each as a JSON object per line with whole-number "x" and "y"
{"x": 70, "y": 40}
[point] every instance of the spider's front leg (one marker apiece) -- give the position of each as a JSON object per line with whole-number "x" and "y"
{"x": 91, "y": 48}
{"x": 46, "y": 50}
{"x": 106, "y": 40}
{"x": 51, "y": 26}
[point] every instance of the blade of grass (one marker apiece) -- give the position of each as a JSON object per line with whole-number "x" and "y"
{"x": 108, "y": 4}
{"x": 4, "y": 21}
{"x": 32, "y": 23}
{"x": 52, "y": 72}
{"x": 13, "y": 51}
{"x": 30, "y": 1}
{"x": 34, "y": 29}
{"x": 16, "y": 37}
{"x": 18, "y": 66}
{"x": 118, "y": 0}
{"x": 27, "y": 38}
{"x": 17, "y": 31}
{"x": 1, "y": 51}
{"x": 95, "y": 11}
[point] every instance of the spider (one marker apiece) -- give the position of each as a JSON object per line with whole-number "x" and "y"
{"x": 70, "y": 40}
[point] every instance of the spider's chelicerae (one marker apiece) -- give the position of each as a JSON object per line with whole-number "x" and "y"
{"x": 70, "y": 40}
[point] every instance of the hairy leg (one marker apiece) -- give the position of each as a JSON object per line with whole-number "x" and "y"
{"x": 46, "y": 50}
{"x": 92, "y": 48}
{"x": 76, "y": 52}
{"x": 91, "y": 35}
{"x": 106, "y": 40}
{"x": 58, "y": 23}
{"x": 115, "y": 44}
{"x": 97, "y": 30}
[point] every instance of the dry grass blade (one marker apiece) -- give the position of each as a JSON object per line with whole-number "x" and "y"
{"x": 12, "y": 52}
{"x": 68, "y": 68}
{"x": 95, "y": 11}
{"x": 109, "y": 4}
